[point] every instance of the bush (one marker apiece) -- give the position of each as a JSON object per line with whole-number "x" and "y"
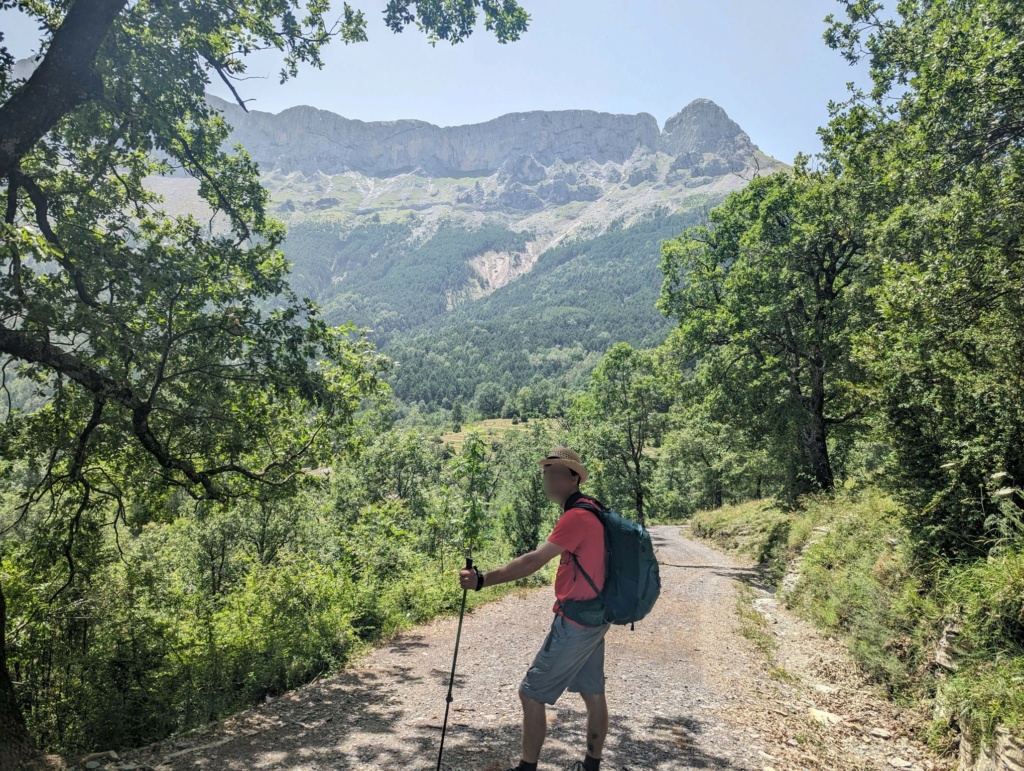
{"x": 986, "y": 599}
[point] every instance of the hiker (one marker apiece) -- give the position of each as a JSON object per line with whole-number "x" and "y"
{"x": 572, "y": 656}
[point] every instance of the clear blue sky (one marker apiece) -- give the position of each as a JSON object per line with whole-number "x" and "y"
{"x": 764, "y": 61}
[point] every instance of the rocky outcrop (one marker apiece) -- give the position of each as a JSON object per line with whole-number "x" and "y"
{"x": 703, "y": 127}
{"x": 520, "y": 147}
{"x": 705, "y": 140}
{"x": 592, "y": 168}
{"x": 23, "y": 68}
{"x": 308, "y": 140}
{"x": 1005, "y": 752}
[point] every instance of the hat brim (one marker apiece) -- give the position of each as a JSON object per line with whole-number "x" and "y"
{"x": 577, "y": 467}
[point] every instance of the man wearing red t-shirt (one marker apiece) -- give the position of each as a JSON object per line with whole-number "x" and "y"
{"x": 572, "y": 656}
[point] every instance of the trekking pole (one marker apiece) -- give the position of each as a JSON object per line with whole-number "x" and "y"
{"x": 455, "y": 658}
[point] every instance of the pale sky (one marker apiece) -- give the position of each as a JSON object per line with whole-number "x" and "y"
{"x": 764, "y": 61}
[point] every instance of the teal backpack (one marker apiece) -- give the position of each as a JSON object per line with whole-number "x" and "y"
{"x": 632, "y": 582}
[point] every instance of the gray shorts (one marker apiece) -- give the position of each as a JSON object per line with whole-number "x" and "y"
{"x": 572, "y": 658}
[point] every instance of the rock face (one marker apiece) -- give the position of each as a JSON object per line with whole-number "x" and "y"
{"x": 549, "y": 172}
{"x": 1004, "y": 753}
{"x": 519, "y": 147}
{"x": 23, "y": 68}
{"x": 309, "y": 140}
{"x": 528, "y": 153}
{"x": 703, "y": 127}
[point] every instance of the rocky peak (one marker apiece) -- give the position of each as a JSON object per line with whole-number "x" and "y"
{"x": 704, "y": 127}
{"x": 23, "y": 68}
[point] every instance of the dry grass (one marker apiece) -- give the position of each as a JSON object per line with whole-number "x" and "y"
{"x": 493, "y": 428}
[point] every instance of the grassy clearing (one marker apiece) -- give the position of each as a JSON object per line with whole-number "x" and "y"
{"x": 492, "y": 429}
{"x": 855, "y": 579}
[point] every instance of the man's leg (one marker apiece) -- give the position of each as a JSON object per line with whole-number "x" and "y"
{"x": 589, "y": 684}
{"x": 535, "y": 726}
{"x": 597, "y": 723}
{"x": 557, "y": 665}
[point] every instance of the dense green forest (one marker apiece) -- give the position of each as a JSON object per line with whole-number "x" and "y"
{"x": 387, "y": 282}
{"x": 544, "y": 331}
{"x": 211, "y": 493}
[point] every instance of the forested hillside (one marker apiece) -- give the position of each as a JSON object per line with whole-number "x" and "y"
{"x": 546, "y": 330}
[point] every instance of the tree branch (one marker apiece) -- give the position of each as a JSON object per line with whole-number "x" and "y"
{"x": 17, "y": 343}
{"x": 226, "y": 77}
{"x": 225, "y": 203}
{"x": 64, "y": 79}
{"x": 850, "y": 415}
{"x": 41, "y": 206}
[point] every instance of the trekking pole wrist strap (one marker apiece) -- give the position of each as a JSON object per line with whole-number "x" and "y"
{"x": 479, "y": 579}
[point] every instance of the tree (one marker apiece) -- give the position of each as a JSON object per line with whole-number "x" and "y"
{"x": 769, "y": 296}
{"x": 620, "y": 416}
{"x": 520, "y": 495}
{"x": 489, "y": 399}
{"x": 173, "y": 354}
{"x": 706, "y": 459}
{"x": 398, "y": 464}
{"x": 458, "y": 415}
{"x": 475, "y": 479}
{"x": 937, "y": 141}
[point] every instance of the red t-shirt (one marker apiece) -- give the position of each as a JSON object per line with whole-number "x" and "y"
{"x": 579, "y": 531}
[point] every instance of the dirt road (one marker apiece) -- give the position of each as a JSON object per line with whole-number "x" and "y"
{"x": 686, "y": 690}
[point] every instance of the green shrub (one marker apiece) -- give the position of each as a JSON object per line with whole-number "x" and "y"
{"x": 986, "y": 598}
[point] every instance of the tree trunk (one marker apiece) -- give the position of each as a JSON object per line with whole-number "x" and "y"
{"x": 816, "y": 434}
{"x": 716, "y": 494}
{"x": 64, "y": 79}
{"x": 638, "y": 490}
{"x": 817, "y": 451}
{"x": 17, "y": 750}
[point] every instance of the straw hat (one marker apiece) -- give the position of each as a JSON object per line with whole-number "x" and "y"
{"x": 563, "y": 456}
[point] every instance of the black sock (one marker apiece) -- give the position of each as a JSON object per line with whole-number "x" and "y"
{"x": 591, "y": 764}
{"x": 524, "y": 766}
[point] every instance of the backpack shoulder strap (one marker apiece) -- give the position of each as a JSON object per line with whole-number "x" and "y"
{"x": 585, "y": 575}
{"x": 587, "y": 506}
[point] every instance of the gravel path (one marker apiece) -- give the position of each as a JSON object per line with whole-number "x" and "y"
{"x": 686, "y": 690}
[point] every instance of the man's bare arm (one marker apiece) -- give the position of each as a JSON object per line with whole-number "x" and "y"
{"x": 521, "y": 567}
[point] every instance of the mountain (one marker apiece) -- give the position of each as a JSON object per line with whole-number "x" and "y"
{"x": 519, "y": 145}
{"x": 510, "y": 252}
{"x": 309, "y": 140}
{"x": 549, "y": 173}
